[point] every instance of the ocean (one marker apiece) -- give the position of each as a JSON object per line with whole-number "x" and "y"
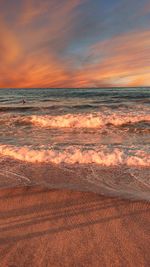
{"x": 83, "y": 139}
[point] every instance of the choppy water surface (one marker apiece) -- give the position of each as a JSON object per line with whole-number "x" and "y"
{"x": 89, "y": 139}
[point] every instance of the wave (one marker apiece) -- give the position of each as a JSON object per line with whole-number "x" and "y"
{"x": 91, "y": 120}
{"x": 97, "y": 120}
{"x": 78, "y": 155}
{"x": 80, "y": 121}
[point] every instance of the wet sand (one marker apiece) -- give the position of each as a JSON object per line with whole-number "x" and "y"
{"x": 42, "y": 227}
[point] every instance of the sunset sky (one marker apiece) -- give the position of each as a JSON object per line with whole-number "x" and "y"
{"x": 74, "y": 43}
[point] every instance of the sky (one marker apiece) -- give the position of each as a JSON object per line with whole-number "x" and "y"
{"x": 74, "y": 43}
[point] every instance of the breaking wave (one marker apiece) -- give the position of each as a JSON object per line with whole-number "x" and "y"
{"x": 72, "y": 155}
{"x": 89, "y": 120}
{"x": 97, "y": 120}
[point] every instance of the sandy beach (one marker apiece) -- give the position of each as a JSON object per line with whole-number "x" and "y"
{"x": 42, "y": 227}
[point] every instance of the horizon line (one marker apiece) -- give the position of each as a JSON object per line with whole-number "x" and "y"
{"x": 101, "y": 87}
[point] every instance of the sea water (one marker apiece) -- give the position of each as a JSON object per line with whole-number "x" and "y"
{"x": 86, "y": 139}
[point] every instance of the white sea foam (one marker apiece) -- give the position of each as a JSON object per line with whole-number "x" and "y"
{"x": 81, "y": 120}
{"x": 96, "y": 120}
{"x": 72, "y": 155}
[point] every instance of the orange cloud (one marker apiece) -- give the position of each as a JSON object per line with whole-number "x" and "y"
{"x": 34, "y": 54}
{"x": 121, "y": 61}
{"x": 36, "y": 72}
{"x": 29, "y": 57}
{"x": 9, "y": 45}
{"x": 32, "y": 11}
